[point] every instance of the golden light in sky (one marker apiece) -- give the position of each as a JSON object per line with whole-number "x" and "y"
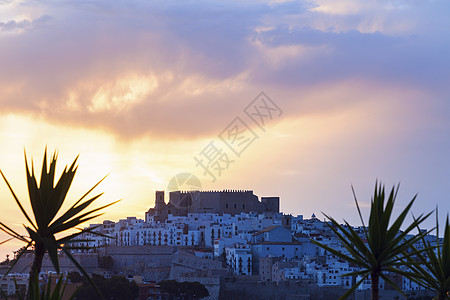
{"x": 139, "y": 89}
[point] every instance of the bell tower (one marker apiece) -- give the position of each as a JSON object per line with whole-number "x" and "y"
{"x": 159, "y": 200}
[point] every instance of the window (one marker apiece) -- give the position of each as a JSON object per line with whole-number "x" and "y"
{"x": 235, "y": 205}
{"x": 226, "y": 205}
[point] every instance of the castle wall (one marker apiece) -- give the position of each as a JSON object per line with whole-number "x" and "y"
{"x": 216, "y": 202}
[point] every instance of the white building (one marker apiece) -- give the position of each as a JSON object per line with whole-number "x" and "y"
{"x": 294, "y": 274}
{"x": 9, "y": 283}
{"x": 221, "y": 243}
{"x": 332, "y": 274}
{"x": 239, "y": 258}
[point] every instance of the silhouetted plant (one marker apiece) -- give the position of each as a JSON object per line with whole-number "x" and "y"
{"x": 46, "y": 201}
{"x": 432, "y": 265}
{"x": 385, "y": 248}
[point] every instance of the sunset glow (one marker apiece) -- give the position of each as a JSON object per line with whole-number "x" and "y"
{"x": 140, "y": 88}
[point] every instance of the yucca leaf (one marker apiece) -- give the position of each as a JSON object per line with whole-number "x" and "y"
{"x": 62, "y": 187}
{"x": 359, "y": 211}
{"x": 12, "y": 233}
{"x": 19, "y": 255}
{"x": 83, "y": 272}
{"x": 87, "y": 193}
{"x": 52, "y": 248}
{"x": 348, "y": 246}
{"x": 33, "y": 192}
{"x": 385, "y": 218}
{"x": 60, "y": 192}
{"x": 392, "y": 284}
{"x": 337, "y": 253}
{"x": 5, "y": 241}
{"x": 17, "y": 201}
{"x": 386, "y": 245}
{"x": 353, "y": 288}
{"x": 72, "y": 212}
{"x": 70, "y": 238}
{"x": 78, "y": 220}
{"x": 33, "y": 235}
{"x": 47, "y": 293}
{"x": 394, "y": 229}
{"x": 3, "y": 294}
{"x": 355, "y": 273}
{"x": 74, "y": 222}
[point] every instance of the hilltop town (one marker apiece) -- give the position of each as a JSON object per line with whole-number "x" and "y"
{"x": 237, "y": 245}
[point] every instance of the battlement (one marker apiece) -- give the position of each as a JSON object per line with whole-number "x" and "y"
{"x": 216, "y": 191}
{"x": 227, "y": 201}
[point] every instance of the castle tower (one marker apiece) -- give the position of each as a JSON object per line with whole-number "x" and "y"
{"x": 159, "y": 200}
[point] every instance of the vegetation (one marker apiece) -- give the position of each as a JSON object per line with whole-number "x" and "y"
{"x": 116, "y": 287}
{"x": 184, "y": 290}
{"x": 48, "y": 292}
{"x": 46, "y": 201}
{"x": 382, "y": 248}
{"x": 432, "y": 266}
{"x": 74, "y": 277}
{"x": 106, "y": 262}
{"x": 377, "y": 250}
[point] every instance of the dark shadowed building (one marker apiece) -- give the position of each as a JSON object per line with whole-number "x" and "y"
{"x": 216, "y": 202}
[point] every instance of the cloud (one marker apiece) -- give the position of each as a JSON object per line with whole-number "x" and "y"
{"x": 184, "y": 70}
{"x": 24, "y": 24}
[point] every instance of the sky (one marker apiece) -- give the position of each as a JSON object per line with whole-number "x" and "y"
{"x": 296, "y": 99}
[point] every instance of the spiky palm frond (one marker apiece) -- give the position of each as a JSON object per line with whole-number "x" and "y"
{"x": 432, "y": 265}
{"x": 382, "y": 246}
{"x": 47, "y": 199}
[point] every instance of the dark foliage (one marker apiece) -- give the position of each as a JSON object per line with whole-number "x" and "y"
{"x": 106, "y": 262}
{"x": 184, "y": 290}
{"x": 116, "y": 287}
{"x": 75, "y": 277}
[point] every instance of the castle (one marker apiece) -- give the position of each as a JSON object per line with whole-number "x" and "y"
{"x": 217, "y": 202}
